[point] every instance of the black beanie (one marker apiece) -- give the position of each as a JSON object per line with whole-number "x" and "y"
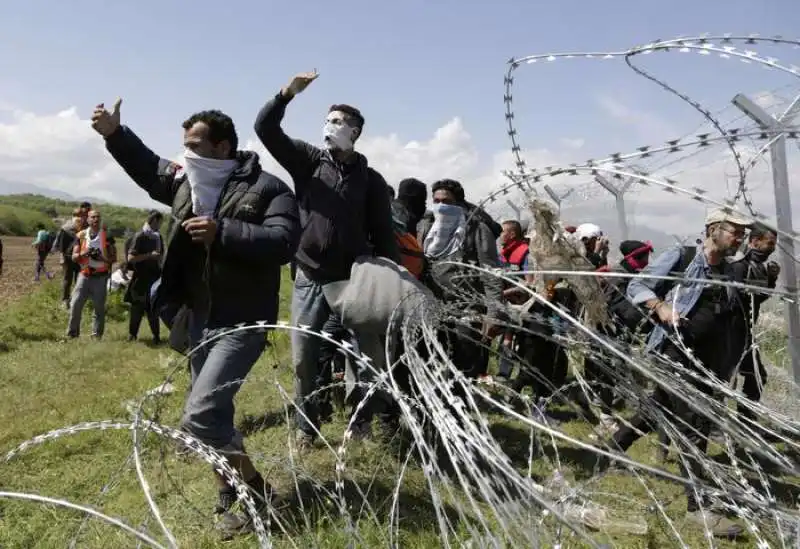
{"x": 413, "y": 189}
{"x": 450, "y": 185}
{"x": 627, "y": 247}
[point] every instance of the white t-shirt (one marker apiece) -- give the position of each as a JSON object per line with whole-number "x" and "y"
{"x": 95, "y": 243}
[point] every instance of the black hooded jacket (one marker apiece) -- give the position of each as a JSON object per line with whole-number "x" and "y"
{"x": 237, "y": 279}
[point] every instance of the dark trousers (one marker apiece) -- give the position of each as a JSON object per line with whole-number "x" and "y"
{"x": 755, "y": 379}
{"x": 599, "y": 370}
{"x": 69, "y": 272}
{"x": 138, "y": 312}
{"x": 692, "y": 425}
{"x": 544, "y": 367}
{"x": 330, "y": 361}
{"x": 40, "y": 268}
{"x": 468, "y": 354}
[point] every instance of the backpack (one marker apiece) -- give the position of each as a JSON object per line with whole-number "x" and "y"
{"x": 44, "y": 241}
{"x": 634, "y": 317}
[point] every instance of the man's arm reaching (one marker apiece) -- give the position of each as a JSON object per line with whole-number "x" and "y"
{"x": 152, "y": 173}
{"x": 297, "y": 157}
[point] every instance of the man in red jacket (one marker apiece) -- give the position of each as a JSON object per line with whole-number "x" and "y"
{"x": 513, "y": 257}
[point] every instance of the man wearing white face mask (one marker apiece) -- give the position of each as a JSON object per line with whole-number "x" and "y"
{"x": 235, "y": 226}
{"x": 456, "y": 230}
{"x": 346, "y": 214}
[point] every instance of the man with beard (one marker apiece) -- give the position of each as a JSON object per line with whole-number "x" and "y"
{"x": 235, "y": 226}
{"x": 711, "y": 322}
{"x": 144, "y": 259}
{"x": 754, "y": 269}
{"x": 594, "y": 243}
{"x": 95, "y": 252}
{"x": 346, "y": 215}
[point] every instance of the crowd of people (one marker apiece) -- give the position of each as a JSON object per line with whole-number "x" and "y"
{"x": 237, "y": 225}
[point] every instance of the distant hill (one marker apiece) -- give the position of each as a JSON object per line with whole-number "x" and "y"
{"x": 24, "y": 214}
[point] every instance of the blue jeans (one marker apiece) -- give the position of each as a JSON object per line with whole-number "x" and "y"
{"x": 310, "y": 308}
{"x": 218, "y": 371}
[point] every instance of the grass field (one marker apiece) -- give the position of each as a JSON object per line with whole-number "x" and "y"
{"x": 47, "y": 385}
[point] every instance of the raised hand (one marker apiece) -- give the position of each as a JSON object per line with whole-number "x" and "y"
{"x": 105, "y": 123}
{"x": 299, "y": 83}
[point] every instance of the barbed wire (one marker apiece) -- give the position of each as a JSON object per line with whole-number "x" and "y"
{"x": 703, "y": 45}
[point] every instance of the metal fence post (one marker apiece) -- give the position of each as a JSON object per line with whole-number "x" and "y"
{"x": 783, "y": 213}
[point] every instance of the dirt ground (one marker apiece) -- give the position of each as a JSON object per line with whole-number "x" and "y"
{"x": 19, "y": 260}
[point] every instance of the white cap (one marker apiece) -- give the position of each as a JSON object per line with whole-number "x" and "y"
{"x": 588, "y": 230}
{"x": 722, "y": 215}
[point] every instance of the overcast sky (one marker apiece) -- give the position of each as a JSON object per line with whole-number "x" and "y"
{"x": 428, "y": 77}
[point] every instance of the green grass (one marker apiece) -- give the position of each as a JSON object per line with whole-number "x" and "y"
{"x": 47, "y": 385}
{"x": 24, "y": 214}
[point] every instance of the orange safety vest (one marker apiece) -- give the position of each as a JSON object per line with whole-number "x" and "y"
{"x": 83, "y": 237}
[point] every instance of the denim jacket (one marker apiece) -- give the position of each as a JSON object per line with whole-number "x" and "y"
{"x": 644, "y": 289}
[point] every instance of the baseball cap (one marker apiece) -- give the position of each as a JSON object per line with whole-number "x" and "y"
{"x": 588, "y": 230}
{"x": 722, "y": 215}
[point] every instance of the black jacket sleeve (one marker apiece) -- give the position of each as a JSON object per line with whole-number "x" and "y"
{"x": 297, "y": 157}
{"x": 152, "y": 173}
{"x": 379, "y": 218}
{"x": 273, "y": 241}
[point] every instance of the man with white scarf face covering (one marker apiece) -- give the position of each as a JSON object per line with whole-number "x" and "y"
{"x": 234, "y": 226}
{"x": 455, "y": 230}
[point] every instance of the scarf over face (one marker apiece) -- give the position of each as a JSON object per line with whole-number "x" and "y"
{"x": 447, "y": 232}
{"x": 206, "y": 178}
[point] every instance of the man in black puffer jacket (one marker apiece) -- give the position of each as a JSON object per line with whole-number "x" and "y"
{"x": 235, "y": 226}
{"x": 344, "y": 207}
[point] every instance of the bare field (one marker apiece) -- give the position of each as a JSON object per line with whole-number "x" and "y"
{"x": 19, "y": 259}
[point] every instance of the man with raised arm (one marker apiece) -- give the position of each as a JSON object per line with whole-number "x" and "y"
{"x": 345, "y": 213}
{"x": 235, "y": 226}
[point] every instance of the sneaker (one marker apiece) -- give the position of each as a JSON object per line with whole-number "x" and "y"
{"x": 230, "y": 525}
{"x": 225, "y": 500}
{"x": 303, "y": 440}
{"x": 718, "y": 524}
